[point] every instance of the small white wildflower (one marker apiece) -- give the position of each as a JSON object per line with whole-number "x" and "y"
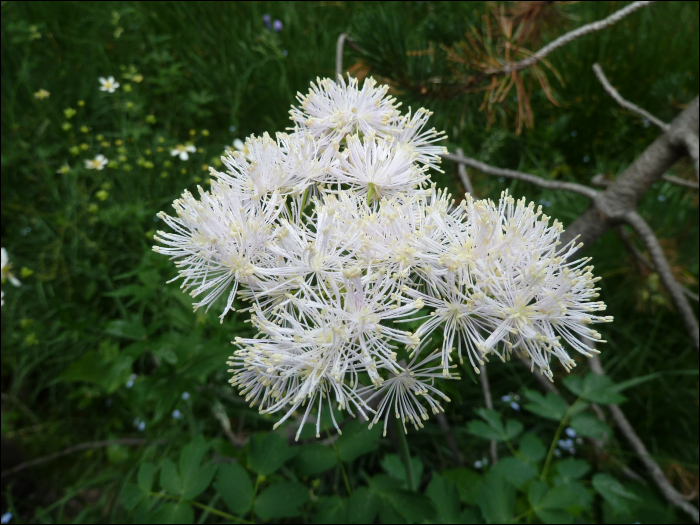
{"x": 108, "y": 84}
{"x": 7, "y": 274}
{"x": 182, "y": 151}
{"x": 98, "y": 163}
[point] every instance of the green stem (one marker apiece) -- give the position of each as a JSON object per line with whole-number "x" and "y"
{"x": 405, "y": 453}
{"x": 340, "y": 462}
{"x": 211, "y": 510}
{"x": 255, "y": 495}
{"x": 557, "y": 434}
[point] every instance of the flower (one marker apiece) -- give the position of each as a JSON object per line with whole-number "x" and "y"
{"x": 98, "y": 163}
{"x": 277, "y": 26}
{"x": 42, "y": 94}
{"x": 331, "y": 110}
{"x": 5, "y": 518}
{"x": 63, "y": 169}
{"x": 185, "y": 395}
{"x": 332, "y": 235}
{"x": 182, "y": 151}
{"x": 108, "y": 84}
{"x": 7, "y": 270}
{"x": 266, "y": 20}
{"x": 176, "y": 414}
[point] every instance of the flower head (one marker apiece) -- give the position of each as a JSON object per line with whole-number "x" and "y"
{"x": 7, "y": 269}
{"x": 108, "y": 84}
{"x": 42, "y": 94}
{"x": 98, "y": 163}
{"x": 182, "y": 151}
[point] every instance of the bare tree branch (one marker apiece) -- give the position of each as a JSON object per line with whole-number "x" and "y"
{"x": 624, "y": 192}
{"x": 339, "y": 55}
{"x": 511, "y": 174}
{"x": 568, "y": 37}
{"x": 641, "y": 258}
{"x": 463, "y": 175}
{"x": 600, "y": 181}
{"x": 690, "y": 141}
{"x": 484, "y": 378}
{"x": 131, "y": 442}
{"x": 670, "y": 493}
{"x": 647, "y": 236}
{"x": 625, "y": 103}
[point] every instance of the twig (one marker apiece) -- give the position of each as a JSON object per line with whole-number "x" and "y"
{"x": 625, "y": 103}
{"x": 670, "y": 493}
{"x": 647, "y": 236}
{"x": 339, "y": 55}
{"x": 484, "y": 378}
{"x": 600, "y": 181}
{"x": 131, "y": 442}
{"x": 568, "y": 37}
{"x": 641, "y": 258}
{"x": 463, "y": 175}
{"x": 449, "y": 438}
{"x": 511, "y": 174}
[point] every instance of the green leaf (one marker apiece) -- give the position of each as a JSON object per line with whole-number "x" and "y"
{"x": 132, "y": 329}
{"x": 173, "y": 513}
{"x": 590, "y": 426}
{"x": 496, "y": 499}
{"x": 195, "y": 480}
{"x": 235, "y": 487}
{"x": 513, "y": 429}
{"x": 467, "y": 482}
{"x": 107, "y": 371}
{"x": 363, "y": 506}
{"x": 595, "y": 388}
{"x": 648, "y": 508}
{"x": 483, "y": 430}
{"x": 553, "y": 505}
{"x": 613, "y": 492}
{"x": 281, "y": 500}
{"x": 571, "y": 469}
{"x": 381, "y": 483}
{"x": 332, "y": 509}
{"x": 357, "y": 440}
{"x": 445, "y": 498}
{"x": 131, "y": 496}
{"x": 313, "y": 459}
{"x": 550, "y": 406}
{"x": 515, "y": 471}
{"x": 392, "y": 465}
{"x": 492, "y": 428}
{"x": 169, "y": 477}
{"x": 532, "y": 448}
{"x": 268, "y": 453}
{"x": 145, "y": 476}
{"x": 412, "y": 506}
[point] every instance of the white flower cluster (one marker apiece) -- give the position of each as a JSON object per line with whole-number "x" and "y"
{"x": 334, "y": 236}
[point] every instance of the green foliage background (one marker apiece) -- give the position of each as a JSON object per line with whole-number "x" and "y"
{"x": 96, "y": 346}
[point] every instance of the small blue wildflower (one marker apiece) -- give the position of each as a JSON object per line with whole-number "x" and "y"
{"x": 646, "y": 123}
{"x": 515, "y": 406}
{"x": 284, "y": 53}
{"x": 501, "y": 179}
{"x": 277, "y": 26}
{"x": 586, "y": 158}
{"x": 662, "y": 198}
{"x": 566, "y": 444}
{"x": 506, "y": 399}
{"x": 177, "y": 414}
{"x": 557, "y": 452}
{"x": 574, "y": 133}
{"x": 5, "y": 518}
{"x": 266, "y": 19}
{"x": 478, "y": 464}
{"x": 130, "y": 382}
{"x": 571, "y": 432}
{"x": 232, "y": 128}
{"x": 142, "y": 426}
{"x": 185, "y": 395}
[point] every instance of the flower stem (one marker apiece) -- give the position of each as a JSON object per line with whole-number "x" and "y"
{"x": 211, "y": 510}
{"x": 557, "y": 434}
{"x": 405, "y": 453}
{"x": 340, "y": 462}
